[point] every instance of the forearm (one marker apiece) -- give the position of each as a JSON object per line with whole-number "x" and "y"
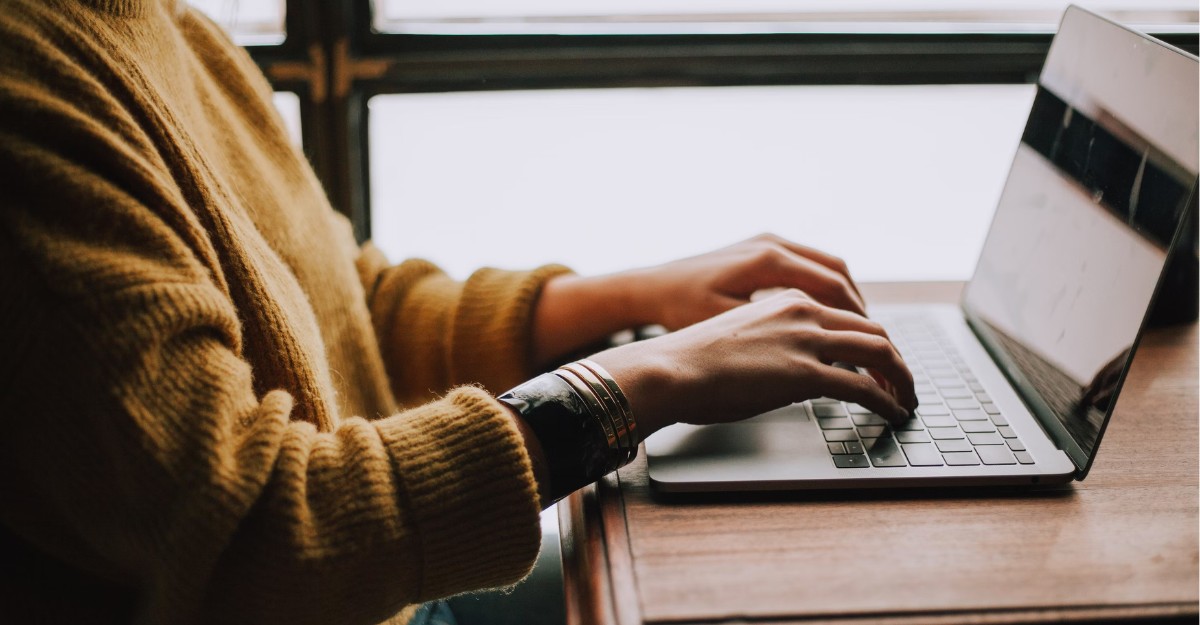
{"x": 440, "y": 493}
{"x": 575, "y": 311}
{"x": 264, "y": 518}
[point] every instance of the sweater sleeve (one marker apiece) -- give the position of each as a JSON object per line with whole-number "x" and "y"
{"x": 435, "y": 332}
{"x": 136, "y": 448}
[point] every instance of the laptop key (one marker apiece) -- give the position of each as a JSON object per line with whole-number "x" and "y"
{"x": 991, "y": 408}
{"x": 928, "y": 398}
{"x": 939, "y": 422}
{"x": 923, "y": 455}
{"x": 874, "y": 431}
{"x": 961, "y": 404}
{"x": 983, "y": 397}
{"x": 836, "y": 448}
{"x": 986, "y": 438}
{"x": 975, "y": 427}
{"x": 912, "y": 437}
{"x": 939, "y": 434}
{"x": 829, "y": 410}
{"x": 956, "y": 393}
{"x": 955, "y": 459}
{"x": 886, "y": 453}
{"x": 858, "y": 461}
{"x": 1023, "y": 457}
{"x": 933, "y": 410}
{"x": 1006, "y": 431}
{"x": 1015, "y": 444}
{"x": 910, "y": 425}
{"x": 975, "y": 387}
{"x": 825, "y": 401}
{"x": 856, "y": 409}
{"x": 954, "y": 445}
{"x": 837, "y": 436}
{"x": 995, "y": 454}
{"x": 835, "y": 423}
{"x": 998, "y": 420}
{"x": 853, "y": 447}
{"x": 867, "y": 419}
{"x": 970, "y": 415}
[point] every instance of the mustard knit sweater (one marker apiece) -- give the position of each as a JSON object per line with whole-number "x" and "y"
{"x": 200, "y": 371}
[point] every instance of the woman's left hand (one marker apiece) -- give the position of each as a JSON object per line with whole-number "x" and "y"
{"x": 576, "y": 311}
{"x": 691, "y": 290}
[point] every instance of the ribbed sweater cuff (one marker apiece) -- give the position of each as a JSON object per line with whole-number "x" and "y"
{"x": 470, "y": 487}
{"x": 493, "y": 326}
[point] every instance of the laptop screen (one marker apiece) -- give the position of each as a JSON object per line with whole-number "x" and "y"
{"x": 1103, "y": 177}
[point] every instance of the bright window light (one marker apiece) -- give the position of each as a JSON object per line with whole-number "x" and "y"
{"x": 901, "y": 181}
{"x": 668, "y": 16}
{"x": 249, "y": 22}
{"x": 288, "y": 105}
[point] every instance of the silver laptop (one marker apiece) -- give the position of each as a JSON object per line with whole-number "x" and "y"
{"x": 1017, "y": 383}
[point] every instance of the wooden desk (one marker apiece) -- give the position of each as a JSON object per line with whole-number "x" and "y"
{"x": 1120, "y": 545}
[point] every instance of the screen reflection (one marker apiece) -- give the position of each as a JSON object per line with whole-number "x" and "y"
{"x": 1099, "y": 184}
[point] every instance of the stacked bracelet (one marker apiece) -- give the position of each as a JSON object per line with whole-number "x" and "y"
{"x": 614, "y": 406}
{"x": 582, "y": 420}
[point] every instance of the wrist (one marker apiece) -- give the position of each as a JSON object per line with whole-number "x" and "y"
{"x": 577, "y": 426}
{"x": 646, "y": 378}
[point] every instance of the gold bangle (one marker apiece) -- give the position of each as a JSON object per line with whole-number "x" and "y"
{"x": 595, "y": 407}
{"x": 622, "y": 401}
{"x": 626, "y": 449}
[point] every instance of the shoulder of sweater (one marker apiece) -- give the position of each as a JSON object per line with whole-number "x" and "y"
{"x": 85, "y": 33}
{"x": 71, "y": 65}
{"x": 115, "y": 8}
{"x": 52, "y": 43}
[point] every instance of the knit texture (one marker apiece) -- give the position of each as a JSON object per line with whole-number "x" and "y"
{"x": 202, "y": 372}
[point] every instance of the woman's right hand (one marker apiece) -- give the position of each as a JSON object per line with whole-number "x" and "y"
{"x": 758, "y": 357}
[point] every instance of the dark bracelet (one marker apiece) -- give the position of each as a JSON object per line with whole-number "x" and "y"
{"x": 574, "y": 443}
{"x": 582, "y": 421}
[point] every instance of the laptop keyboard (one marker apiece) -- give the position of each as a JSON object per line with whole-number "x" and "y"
{"x": 956, "y": 423}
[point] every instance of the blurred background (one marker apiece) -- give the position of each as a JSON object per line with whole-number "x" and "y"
{"x": 618, "y": 133}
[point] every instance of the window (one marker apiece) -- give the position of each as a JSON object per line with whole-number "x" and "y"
{"x": 748, "y": 16}
{"x": 898, "y": 180}
{"x": 288, "y": 105}
{"x": 607, "y": 179}
{"x": 418, "y": 107}
{"x": 251, "y": 23}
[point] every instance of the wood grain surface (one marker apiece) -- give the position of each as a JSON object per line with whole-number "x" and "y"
{"x": 1121, "y": 545}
